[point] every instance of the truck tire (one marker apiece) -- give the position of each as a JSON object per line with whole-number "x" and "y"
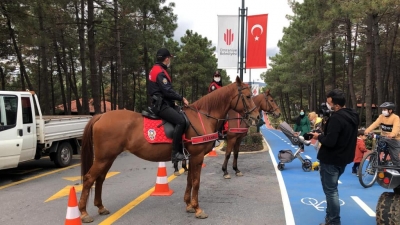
{"x": 388, "y": 209}
{"x": 63, "y": 156}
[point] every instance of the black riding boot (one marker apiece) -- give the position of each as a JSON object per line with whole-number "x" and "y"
{"x": 177, "y": 144}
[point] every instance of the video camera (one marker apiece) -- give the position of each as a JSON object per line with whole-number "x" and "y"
{"x": 324, "y": 111}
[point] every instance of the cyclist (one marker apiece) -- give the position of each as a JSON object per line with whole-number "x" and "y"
{"x": 389, "y": 124}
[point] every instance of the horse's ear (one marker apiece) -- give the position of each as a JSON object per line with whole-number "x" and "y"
{"x": 238, "y": 81}
{"x": 267, "y": 91}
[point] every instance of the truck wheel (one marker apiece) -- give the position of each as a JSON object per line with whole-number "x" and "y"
{"x": 388, "y": 209}
{"x": 63, "y": 156}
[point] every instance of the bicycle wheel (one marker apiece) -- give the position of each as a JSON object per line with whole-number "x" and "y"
{"x": 367, "y": 172}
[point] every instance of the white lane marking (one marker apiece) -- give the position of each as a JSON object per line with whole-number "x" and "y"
{"x": 364, "y": 206}
{"x": 285, "y": 198}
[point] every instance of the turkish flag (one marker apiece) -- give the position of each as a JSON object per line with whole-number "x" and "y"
{"x": 256, "y": 54}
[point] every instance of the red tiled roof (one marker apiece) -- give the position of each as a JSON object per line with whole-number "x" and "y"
{"x": 359, "y": 105}
{"x": 74, "y": 108}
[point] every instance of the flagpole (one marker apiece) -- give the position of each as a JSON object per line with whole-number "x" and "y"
{"x": 242, "y": 18}
{"x": 250, "y": 77}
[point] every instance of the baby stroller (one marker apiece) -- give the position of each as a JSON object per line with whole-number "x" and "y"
{"x": 287, "y": 156}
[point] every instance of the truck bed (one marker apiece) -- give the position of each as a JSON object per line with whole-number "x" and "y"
{"x": 55, "y": 128}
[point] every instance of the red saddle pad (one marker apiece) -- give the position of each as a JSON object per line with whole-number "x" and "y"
{"x": 153, "y": 132}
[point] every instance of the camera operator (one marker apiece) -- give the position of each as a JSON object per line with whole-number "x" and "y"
{"x": 338, "y": 142}
{"x": 389, "y": 124}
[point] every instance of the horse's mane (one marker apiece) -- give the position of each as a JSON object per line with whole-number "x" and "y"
{"x": 214, "y": 99}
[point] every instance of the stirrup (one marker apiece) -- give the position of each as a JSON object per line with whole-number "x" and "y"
{"x": 186, "y": 153}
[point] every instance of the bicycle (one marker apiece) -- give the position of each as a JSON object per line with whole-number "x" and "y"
{"x": 368, "y": 170}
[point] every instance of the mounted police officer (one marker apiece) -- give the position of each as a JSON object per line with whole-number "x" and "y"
{"x": 216, "y": 83}
{"x": 163, "y": 100}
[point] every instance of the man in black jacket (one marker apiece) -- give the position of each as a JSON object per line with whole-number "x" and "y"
{"x": 338, "y": 144}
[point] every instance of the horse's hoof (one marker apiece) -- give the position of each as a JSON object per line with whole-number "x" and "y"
{"x": 186, "y": 172}
{"x": 87, "y": 219}
{"x": 177, "y": 174}
{"x": 104, "y": 211}
{"x": 227, "y": 176}
{"x": 190, "y": 209}
{"x": 240, "y": 174}
{"x": 201, "y": 215}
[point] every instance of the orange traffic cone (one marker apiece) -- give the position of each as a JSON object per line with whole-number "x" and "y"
{"x": 73, "y": 214}
{"x": 162, "y": 188}
{"x": 213, "y": 153}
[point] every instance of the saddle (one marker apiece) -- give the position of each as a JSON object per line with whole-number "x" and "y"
{"x": 157, "y": 130}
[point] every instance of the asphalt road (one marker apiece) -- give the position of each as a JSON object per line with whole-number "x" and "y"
{"x": 37, "y": 193}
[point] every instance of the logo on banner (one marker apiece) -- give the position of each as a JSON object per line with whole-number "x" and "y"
{"x": 228, "y": 37}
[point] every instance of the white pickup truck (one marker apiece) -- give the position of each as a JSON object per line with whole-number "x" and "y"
{"x": 26, "y": 134}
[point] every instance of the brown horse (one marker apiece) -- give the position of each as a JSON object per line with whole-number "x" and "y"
{"x": 263, "y": 101}
{"x": 107, "y": 135}
{"x": 235, "y": 136}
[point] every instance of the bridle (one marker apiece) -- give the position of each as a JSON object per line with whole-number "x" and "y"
{"x": 270, "y": 104}
{"x": 245, "y": 106}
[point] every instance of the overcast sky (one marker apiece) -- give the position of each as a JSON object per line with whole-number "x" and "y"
{"x": 201, "y": 17}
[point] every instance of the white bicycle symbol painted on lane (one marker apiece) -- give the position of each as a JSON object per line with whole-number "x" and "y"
{"x": 320, "y": 206}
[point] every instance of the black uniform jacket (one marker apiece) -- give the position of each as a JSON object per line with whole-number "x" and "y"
{"x": 160, "y": 85}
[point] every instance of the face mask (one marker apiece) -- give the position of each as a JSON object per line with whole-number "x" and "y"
{"x": 385, "y": 112}
{"x": 329, "y": 107}
{"x": 301, "y": 113}
{"x": 217, "y": 79}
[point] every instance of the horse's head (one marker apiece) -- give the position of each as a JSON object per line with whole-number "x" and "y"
{"x": 243, "y": 103}
{"x": 269, "y": 105}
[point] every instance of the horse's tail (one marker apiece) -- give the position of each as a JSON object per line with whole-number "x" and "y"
{"x": 87, "y": 146}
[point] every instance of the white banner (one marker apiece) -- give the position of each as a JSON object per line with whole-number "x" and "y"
{"x": 228, "y": 39}
{"x": 255, "y": 89}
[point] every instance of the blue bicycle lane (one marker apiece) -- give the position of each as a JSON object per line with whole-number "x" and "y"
{"x": 302, "y": 195}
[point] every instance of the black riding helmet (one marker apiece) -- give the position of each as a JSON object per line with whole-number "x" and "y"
{"x": 388, "y": 105}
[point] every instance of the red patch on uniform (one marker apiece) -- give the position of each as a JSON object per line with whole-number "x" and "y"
{"x": 153, "y": 132}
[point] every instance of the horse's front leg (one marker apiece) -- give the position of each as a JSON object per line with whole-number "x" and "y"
{"x": 195, "y": 172}
{"x": 235, "y": 157}
{"x": 188, "y": 191}
{"x": 228, "y": 151}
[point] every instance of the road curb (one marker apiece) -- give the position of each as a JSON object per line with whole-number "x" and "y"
{"x": 265, "y": 148}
